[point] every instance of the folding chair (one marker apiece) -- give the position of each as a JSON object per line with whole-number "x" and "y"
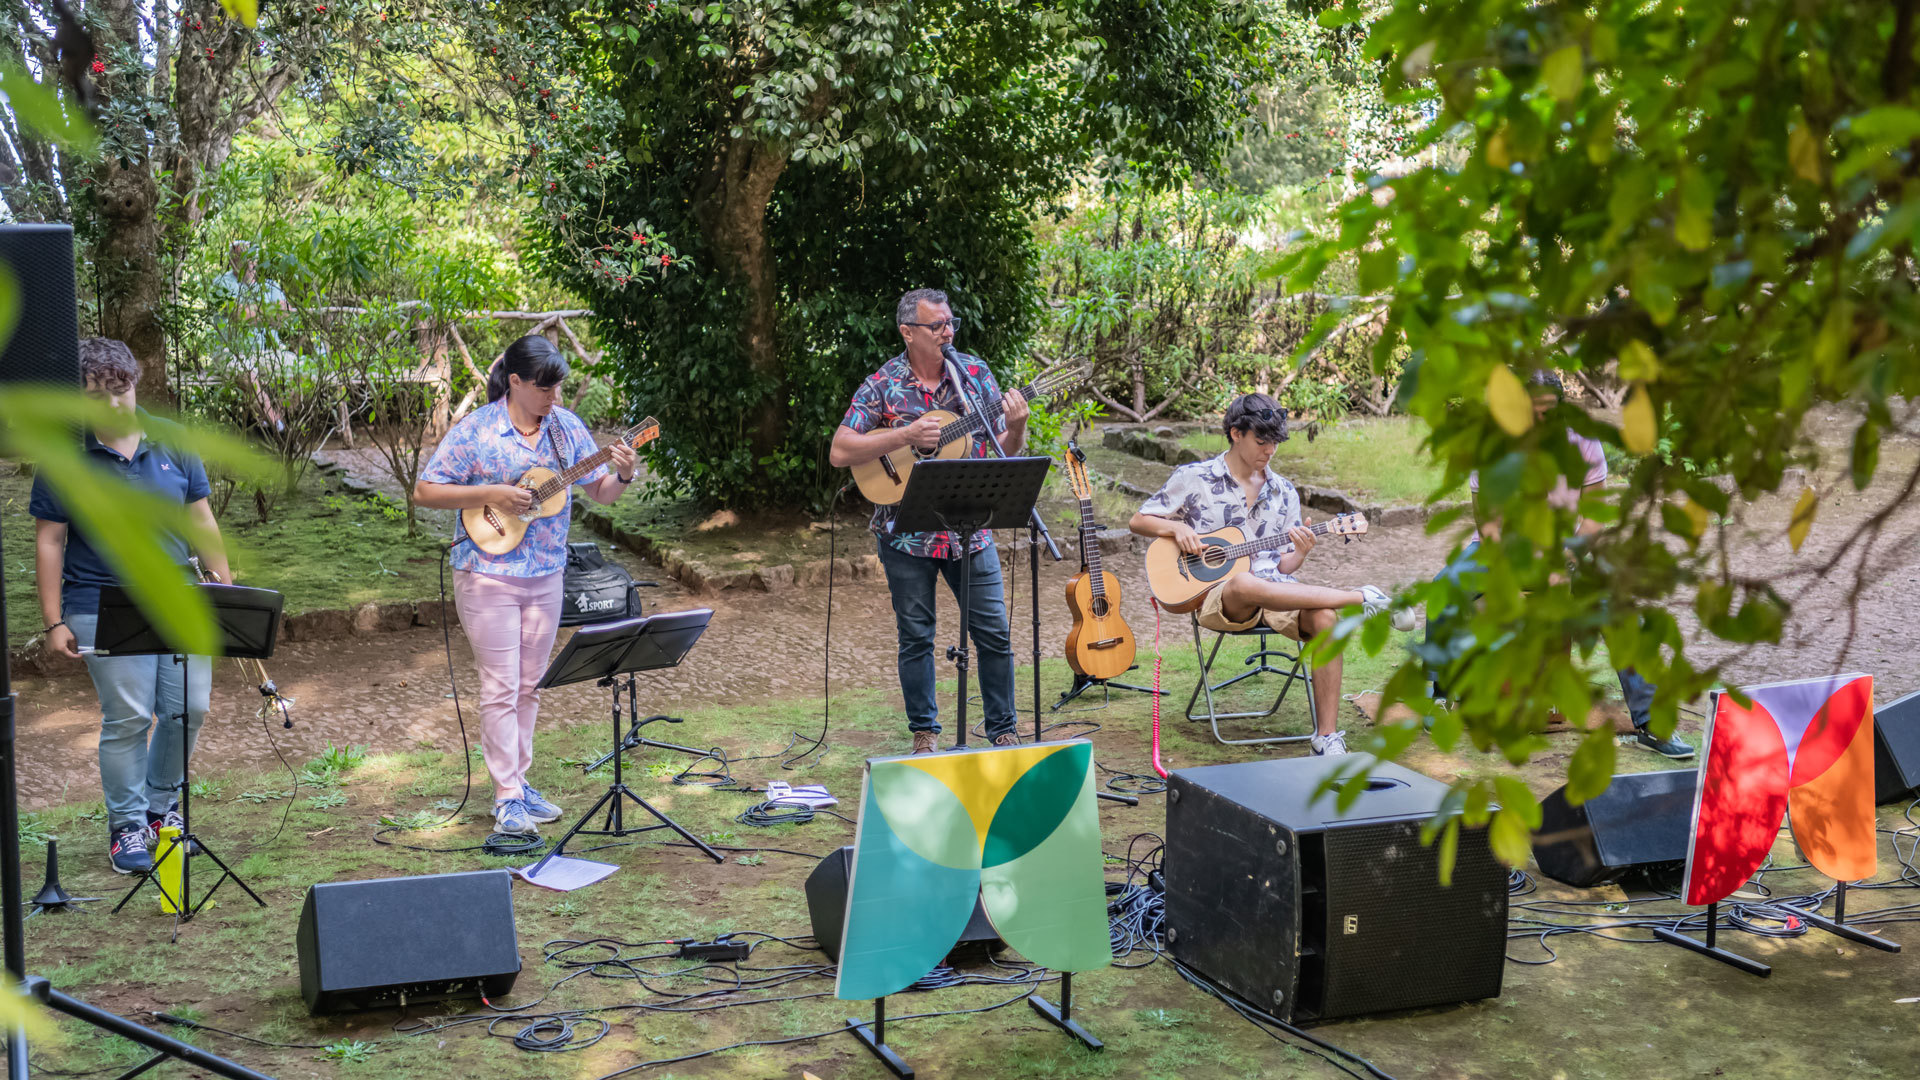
{"x": 1298, "y": 672}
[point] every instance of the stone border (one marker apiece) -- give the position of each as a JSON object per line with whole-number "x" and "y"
{"x": 325, "y": 624}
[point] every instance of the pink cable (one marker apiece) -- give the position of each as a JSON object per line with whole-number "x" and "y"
{"x": 1157, "y": 767}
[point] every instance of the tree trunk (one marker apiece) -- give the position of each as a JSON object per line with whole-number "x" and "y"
{"x": 133, "y": 285}
{"x": 735, "y": 223}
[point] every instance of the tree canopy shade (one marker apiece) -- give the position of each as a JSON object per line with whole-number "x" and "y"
{"x": 811, "y": 161}
{"x": 1723, "y": 196}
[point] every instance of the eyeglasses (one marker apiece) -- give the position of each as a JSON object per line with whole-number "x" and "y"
{"x": 950, "y": 324}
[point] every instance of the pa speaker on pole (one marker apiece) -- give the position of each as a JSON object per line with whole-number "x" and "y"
{"x": 45, "y": 344}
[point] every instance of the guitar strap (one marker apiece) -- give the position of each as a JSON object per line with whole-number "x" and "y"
{"x": 553, "y": 440}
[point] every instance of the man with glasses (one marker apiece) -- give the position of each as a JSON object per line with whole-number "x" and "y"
{"x": 140, "y": 777}
{"x": 888, "y": 412}
{"x": 1237, "y": 488}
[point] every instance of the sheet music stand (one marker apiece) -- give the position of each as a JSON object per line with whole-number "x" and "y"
{"x": 603, "y": 653}
{"x": 248, "y": 621}
{"x": 967, "y": 495}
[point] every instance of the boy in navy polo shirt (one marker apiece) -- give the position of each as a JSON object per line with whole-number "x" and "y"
{"x": 139, "y": 779}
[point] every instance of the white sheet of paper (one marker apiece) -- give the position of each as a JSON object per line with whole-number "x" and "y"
{"x": 562, "y": 874}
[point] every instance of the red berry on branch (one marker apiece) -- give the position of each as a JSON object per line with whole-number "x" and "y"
{"x": 99, "y": 66}
{"x": 666, "y": 260}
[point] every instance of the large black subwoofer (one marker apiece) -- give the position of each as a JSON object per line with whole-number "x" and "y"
{"x": 1639, "y": 828}
{"x": 1310, "y": 913}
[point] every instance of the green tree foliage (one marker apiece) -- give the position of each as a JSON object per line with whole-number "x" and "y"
{"x": 1720, "y": 194}
{"x": 810, "y": 162}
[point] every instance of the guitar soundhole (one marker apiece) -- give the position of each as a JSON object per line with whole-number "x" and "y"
{"x": 494, "y": 521}
{"x": 1099, "y": 607}
{"x": 1213, "y": 558}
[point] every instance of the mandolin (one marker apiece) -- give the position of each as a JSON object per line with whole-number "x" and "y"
{"x": 884, "y": 480}
{"x": 496, "y": 531}
{"x": 1099, "y": 646}
{"x": 1181, "y": 582}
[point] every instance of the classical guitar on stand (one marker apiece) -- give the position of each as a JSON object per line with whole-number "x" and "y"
{"x": 884, "y": 480}
{"x": 496, "y": 531}
{"x": 1181, "y": 581}
{"x": 1100, "y": 646}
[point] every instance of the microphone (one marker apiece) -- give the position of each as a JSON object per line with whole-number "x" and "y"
{"x": 950, "y": 354}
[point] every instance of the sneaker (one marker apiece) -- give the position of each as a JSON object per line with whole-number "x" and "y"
{"x": 513, "y": 816}
{"x": 926, "y": 742}
{"x": 538, "y": 807}
{"x": 1329, "y": 745}
{"x": 128, "y": 850}
{"x": 1009, "y": 739}
{"x": 169, "y": 820}
{"x": 1376, "y": 601}
{"x": 1672, "y": 747}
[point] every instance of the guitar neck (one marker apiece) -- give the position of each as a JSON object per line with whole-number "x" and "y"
{"x": 580, "y": 468}
{"x": 1278, "y": 541}
{"x": 990, "y": 410}
{"x": 1090, "y": 549}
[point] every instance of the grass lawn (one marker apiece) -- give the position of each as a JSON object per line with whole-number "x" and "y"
{"x": 1604, "y": 1011}
{"x": 322, "y": 548}
{"x": 1373, "y": 460}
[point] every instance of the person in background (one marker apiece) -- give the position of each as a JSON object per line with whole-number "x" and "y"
{"x": 1548, "y": 391}
{"x": 143, "y": 699}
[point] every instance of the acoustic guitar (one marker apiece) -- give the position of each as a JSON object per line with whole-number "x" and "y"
{"x": 1100, "y": 646}
{"x": 884, "y": 480}
{"x": 1181, "y": 582}
{"x": 496, "y": 531}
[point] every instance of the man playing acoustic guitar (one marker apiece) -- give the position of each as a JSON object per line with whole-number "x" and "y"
{"x": 1238, "y": 489}
{"x": 889, "y": 412}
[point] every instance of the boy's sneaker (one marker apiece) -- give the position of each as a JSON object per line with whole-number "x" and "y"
{"x": 128, "y": 851}
{"x": 538, "y": 807}
{"x": 512, "y": 816}
{"x": 169, "y": 820}
{"x": 1671, "y": 747}
{"x": 1377, "y": 601}
{"x": 1329, "y": 745}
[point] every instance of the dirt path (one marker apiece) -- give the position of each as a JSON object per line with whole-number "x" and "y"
{"x": 390, "y": 690}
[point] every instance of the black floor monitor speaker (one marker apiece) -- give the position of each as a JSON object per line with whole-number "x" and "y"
{"x": 1310, "y": 913}
{"x": 1896, "y": 750}
{"x": 1638, "y": 826}
{"x": 398, "y": 941}
{"x": 45, "y": 345}
{"x": 827, "y": 907}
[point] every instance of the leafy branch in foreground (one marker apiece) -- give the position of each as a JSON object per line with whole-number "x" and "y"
{"x": 1722, "y": 198}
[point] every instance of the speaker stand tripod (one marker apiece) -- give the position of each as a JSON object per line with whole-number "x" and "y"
{"x": 603, "y": 653}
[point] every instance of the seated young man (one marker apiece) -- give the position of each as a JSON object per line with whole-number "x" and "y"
{"x": 1237, "y": 488}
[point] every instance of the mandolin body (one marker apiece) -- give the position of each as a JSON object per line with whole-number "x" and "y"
{"x": 497, "y": 532}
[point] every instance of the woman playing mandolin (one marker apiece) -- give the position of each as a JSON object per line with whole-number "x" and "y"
{"x": 509, "y": 603}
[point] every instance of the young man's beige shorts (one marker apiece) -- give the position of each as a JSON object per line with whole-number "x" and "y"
{"x": 1212, "y": 617}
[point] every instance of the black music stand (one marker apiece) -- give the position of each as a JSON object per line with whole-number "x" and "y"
{"x": 967, "y": 495}
{"x": 249, "y": 623}
{"x": 603, "y": 653}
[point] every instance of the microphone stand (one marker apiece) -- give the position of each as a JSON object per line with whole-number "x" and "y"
{"x": 1037, "y": 533}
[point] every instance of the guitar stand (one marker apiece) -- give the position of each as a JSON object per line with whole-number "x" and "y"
{"x": 1082, "y": 683}
{"x": 1838, "y": 927}
{"x": 1710, "y": 948}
